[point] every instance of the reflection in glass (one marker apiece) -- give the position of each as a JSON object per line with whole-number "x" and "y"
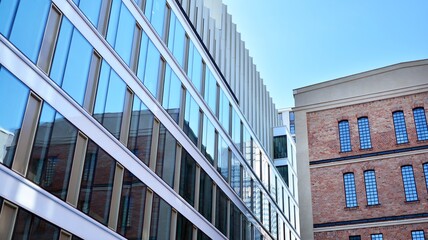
{"x": 223, "y": 158}
{"x": 30, "y": 226}
{"x": 28, "y": 26}
{"x": 97, "y": 183}
{"x": 274, "y": 224}
{"x": 208, "y": 140}
{"x": 205, "y": 195}
{"x": 160, "y": 224}
{"x": 140, "y": 131}
{"x": 210, "y": 93}
{"x": 184, "y": 228}
{"x": 149, "y": 65}
{"x": 52, "y": 153}
{"x": 91, "y": 9}
{"x": 11, "y": 91}
{"x": 203, "y": 236}
{"x": 194, "y": 67}
{"x": 235, "y": 180}
{"x": 235, "y": 222}
{"x": 266, "y": 212}
{"x": 280, "y": 146}
{"x": 176, "y": 39}
{"x": 221, "y": 211}
{"x": 172, "y": 94}
{"x": 125, "y": 34}
{"x": 113, "y": 21}
{"x": 256, "y": 201}
{"x": 131, "y": 209}
{"x": 71, "y": 61}
{"x": 110, "y": 100}
{"x": 165, "y": 160}
{"x": 191, "y": 119}
{"x": 155, "y": 12}
{"x": 224, "y": 111}
{"x": 247, "y": 188}
{"x": 187, "y": 177}
{"x": 236, "y": 129}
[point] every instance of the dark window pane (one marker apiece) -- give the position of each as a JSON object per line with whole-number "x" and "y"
{"x": 418, "y": 235}
{"x": 176, "y": 39}
{"x": 355, "y": 237}
{"x": 350, "y": 192}
{"x": 221, "y": 211}
{"x": 344, "y": 136}
{"x": 91, "y": 9}
{"x": 371, "y": 188}
{"x": 210, "y": 93}
{"x": 223, "y": 158}
{"x": 165, "y": 161}
{"x": 52, "y": 154}
{"x": 205, "y": 195}
{"x": 280, "y": 147}
{"x": 97, "y": 183}
{"x": 28, "y": 26}
{"x": 409, "y": 183}
{"x": 184, "y": 228}
{"x": 172, "y": 94}
{"x": 364, "y": 131}
{"x": 202, "y": 236}
{"x": 11, "y": 91}
{"x": 235, "y": 180}
{"x": 110, "y": 100}
{"x": 400, "y": 127}
{"x": 191, "y": 119}
{"x": 187, "y": 177}
{"x": 140, "y": 131}
{"x": 420, "y": 123}
{"x": 30, "y": 226}
{"x": 208, "y": 140}
{"x": 235, "y": 222}
{"x": 283, "y": 171}
{"x": 131, "y": 210}
{"x": 160, "y": 226}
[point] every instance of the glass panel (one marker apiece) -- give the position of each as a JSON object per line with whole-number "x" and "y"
{"x": 210, "y": 93}
{"x": 274, "y": 223}
{"x": 191, "y": 119}
{"x": 131, "y": 210}
{"x": 202, "y": 236}
{"x": 194, "y": 67}
{"x": 371, "y": 188}
{"x": 283, "y": 171}
{"x": 364, "y": 131}
{"x": 247, "y": 148}
{"x": 400, "y": 127}
{"x": 53, "y": 151}
{"x": 235, "y": 222}
{"x": 205, "y": 195}
{"x": 184, "y": 228}
{"x": 355, "y": 237}
{"x": 280, "y": 147}
{"x": 377, "y": 236}
{"x": 187, "y": 177}
{"x": 256, "y": 201}
{"x": 247, "y": 189}
{"x": 236, "y": 129}
{"x": 235, "y": 180}
{"x": 30, "y": 226}
{"x": 110, "y": 100}
{"x": 344, "y": 136}
{"x": 421, "y": 123}
{"x": 257, "y": 161}
{"x": 409, "y": 183}
{"x": 265, "y": 171}
{"x": 7, "y": 12}
{"x": 418, "y": 235}
{"x": 113, "y": 21}
{"x": 11, "y": 91}
{"x": 28, "y": 26}
{"x": 155, "y": 12}
{"x": 91, "y": 9}
{"x": 97, "y": 183}
{"x": 160, "y": 226}
{"x": 140, "y": 131}
{"x": 350, "y": 192}
{"x": 151, "y": 74}
{"x": 176, "y": 39}
{"x": 221, "y": 211}
{"x": 223, "y": 158}
{"x": 292, "y": 124}
{"x": 125, "y": 34}
{"x": 224, "y": 111}
{"x": 266, "y": 212}
{"x": 208, "y": 140}
{"x": 165, "y": 161}
{"x": 62, "y": 48}
{"x": 172, "y": 94}
{"x": 425, "y": 166}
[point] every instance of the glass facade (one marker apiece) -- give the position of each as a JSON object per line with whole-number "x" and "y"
{"x": 418, "y": 235}
{"x": 350, "y": 192}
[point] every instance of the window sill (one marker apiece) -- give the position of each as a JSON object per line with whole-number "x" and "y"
{"x": 366, "y": 149}
{"x": 352, "y": 208}
{"x": 373, "y": 206}
{"x": 412, "y": 202}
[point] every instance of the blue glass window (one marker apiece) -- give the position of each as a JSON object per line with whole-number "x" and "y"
{"x": 191, "y": 119}
{"x": 344, "y": 136}
{"x": 425, "y": 166}
{"x": 110, "y": 100}
{"x": 378, "y": 236}
{"x": 165, "y": 160}
{"x": 125, "y": 34}
{"x": 400, "y": 127}
{"x": 11, "y": 91}
{"x": 371, "y": 187}
{"x": 236, "y": 129}
{"x": 208, "y": 140}
{"x": 235, "y": 179}
{"x": 420, "y": 123}
{"x": 409, "y": 183}
{"x": 149, "y": 65}
{"x": 350, "y": 192}
{"x": 24, "y": 24}
{"x": 223, "y": 158}
{"x": 194, "y": 67}
{"x": 364, "y": 131}
{"x": 418, "y": 235}
{"x": 210, "y": 93}
{"x": 91, "y": 9}
{"x": 155, "y": 12}
{"x": 224, "y": 112}
{"x": 172, "y": 92}
{"x": 176, "y": 39}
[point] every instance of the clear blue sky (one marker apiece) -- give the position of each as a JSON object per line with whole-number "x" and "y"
{"x": 296, "y": 43}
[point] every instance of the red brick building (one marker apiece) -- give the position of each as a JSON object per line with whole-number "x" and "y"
{"x": 362, "y": 150}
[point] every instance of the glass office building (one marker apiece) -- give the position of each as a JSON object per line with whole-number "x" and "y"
{"x": 142, "y": 119}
